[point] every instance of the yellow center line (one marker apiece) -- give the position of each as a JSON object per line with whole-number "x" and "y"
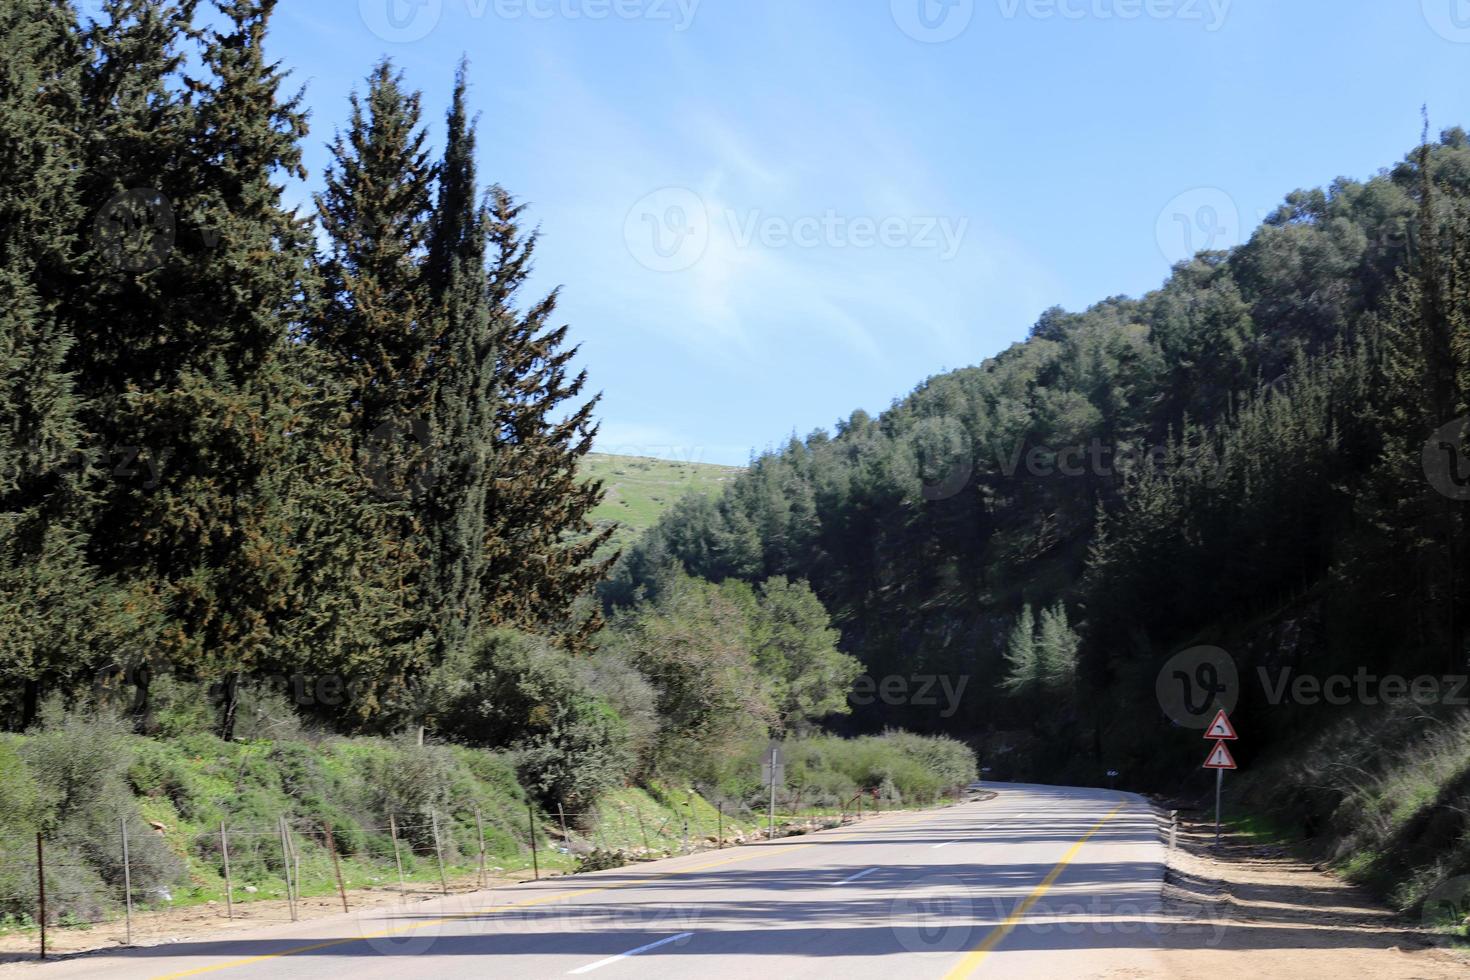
{"x": 975, "y": 957}
{"x": 538, "y": 900}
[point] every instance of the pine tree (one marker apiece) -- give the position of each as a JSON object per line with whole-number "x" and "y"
{"x": 48, "y": 592}
{"x": 189, "y": 361}
{"x": 1023, "y": 661}
{"x": 373, "y": 336}
{"x": 1056, "y": 651}
{"x": 539, "y": 540}
{"x": 1415, "y": 531}
{"x": 375, "y": 323}
{"x": 462, "y": 369}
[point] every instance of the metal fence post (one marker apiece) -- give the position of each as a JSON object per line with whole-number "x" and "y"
{"x": 438, "y": 850}
{"x": 286, "y": 865}
{"x": 480, "y": 830}
{"x": 224, "y": 847}
{"x": 127, "y": 882}
{"x": 41, "y": 889}
{"x": 336, "y": 864}
{"x": 397, "y": 857}
{"x": 720, "y": 827}
{"x": 535, "y": 862}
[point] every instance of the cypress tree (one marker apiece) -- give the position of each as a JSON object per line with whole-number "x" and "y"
{"x": 462, "y": 375}
{"x": 190, "y": 360}
{"x": 540, "y": 543}
{"x": 372, "y": 336}
{"x": 374, "y": 211}
{"x": 48, "y": 592}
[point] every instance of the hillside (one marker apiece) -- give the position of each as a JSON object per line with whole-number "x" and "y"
{"x": 641, "y": 488}
{"x": 1149, "y": 508}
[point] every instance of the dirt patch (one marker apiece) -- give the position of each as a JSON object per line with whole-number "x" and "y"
{"x": 173, "y": 925}
{"x": 1279, "y": 916}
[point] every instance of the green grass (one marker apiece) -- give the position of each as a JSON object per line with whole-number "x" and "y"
{"x": 639, "y": 489}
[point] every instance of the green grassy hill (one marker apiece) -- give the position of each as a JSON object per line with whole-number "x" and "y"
{"x": 640, "y": 488}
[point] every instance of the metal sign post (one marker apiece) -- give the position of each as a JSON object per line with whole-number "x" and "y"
{"x": 773, "y": 771}
{"x": 1220, "y": 759}
{"x": 1219, "y": 788}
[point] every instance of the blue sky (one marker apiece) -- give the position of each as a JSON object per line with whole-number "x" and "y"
{"x": 768, "y": 213}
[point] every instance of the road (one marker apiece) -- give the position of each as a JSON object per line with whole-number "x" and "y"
{"x": 1038, "y": 882}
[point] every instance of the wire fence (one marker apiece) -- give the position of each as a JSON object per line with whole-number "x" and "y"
{"x": 123, "y": 873}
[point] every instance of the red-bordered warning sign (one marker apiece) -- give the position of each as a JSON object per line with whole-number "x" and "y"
{"x": 1221, "y": 727}
{"x": 1220, "y": 757}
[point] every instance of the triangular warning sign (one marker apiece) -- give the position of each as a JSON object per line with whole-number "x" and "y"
{"x": 1220, "y": 727}
{"x": 1220, "y": 757}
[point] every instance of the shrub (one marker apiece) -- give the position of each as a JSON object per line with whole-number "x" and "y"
{"x": 570, "y": 745}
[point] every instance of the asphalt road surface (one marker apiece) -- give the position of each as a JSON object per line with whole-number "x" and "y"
{"x": 1038, "y": 882}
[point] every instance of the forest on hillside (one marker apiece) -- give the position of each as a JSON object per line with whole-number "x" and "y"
{"x": 1258, "y": 467}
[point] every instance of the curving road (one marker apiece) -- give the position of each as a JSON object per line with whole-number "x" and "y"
{"x": 1038, "y": 882}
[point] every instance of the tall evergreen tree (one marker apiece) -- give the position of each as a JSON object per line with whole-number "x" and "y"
{"x": 1056, "y": 651}
{"x": 539, "y": 539}
{"x": 189, "y": 362}
{"x": 48, "y": 591}
{"x": 374, "y": 333}
{"x": 462, "y": 369}
{"x": 1413, "y": 528}
{"x": 1023, "y": 663}
{"x": 375, "y": 321}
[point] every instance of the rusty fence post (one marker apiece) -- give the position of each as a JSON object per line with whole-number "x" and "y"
{"x": 224, "y": 849}
{"x": 336, "y": 864}
{"x": 438, "y": 850}
{"x": 41, "y": 889}
{"x": 480, "y": 830}
{"x": 535, "y": 861}
{"x": 127, "y": 882}
{"x": 397, "y": 856}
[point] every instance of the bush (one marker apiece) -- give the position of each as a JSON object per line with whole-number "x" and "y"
{"x": 570, "y": 745}
{"x": 825, "y": 770}
{"x": 600, "y": 860}
{"x": 81, "y": 760}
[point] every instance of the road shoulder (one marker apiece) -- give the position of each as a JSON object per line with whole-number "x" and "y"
{"x": 1278, "y": 917}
